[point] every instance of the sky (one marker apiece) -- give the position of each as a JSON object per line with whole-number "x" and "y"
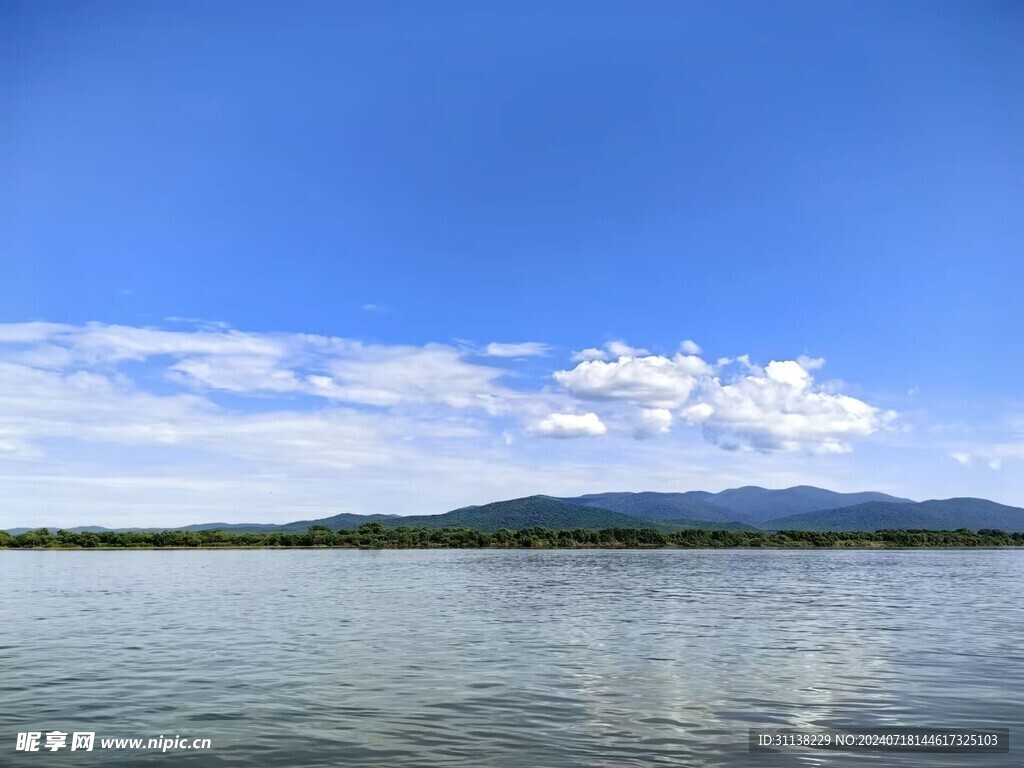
{"x": 263, "y": 261}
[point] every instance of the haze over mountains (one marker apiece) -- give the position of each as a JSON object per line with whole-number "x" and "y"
{"x": 748, "y": 508}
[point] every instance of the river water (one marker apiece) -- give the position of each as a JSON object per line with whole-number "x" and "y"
{"x": 479, "y": 658}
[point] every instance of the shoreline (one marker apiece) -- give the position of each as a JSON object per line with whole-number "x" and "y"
{"x": 265, "y": 547}
{"x": 374, "y": 536}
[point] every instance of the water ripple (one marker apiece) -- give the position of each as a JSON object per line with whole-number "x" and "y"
{"x": 535, "y": 659}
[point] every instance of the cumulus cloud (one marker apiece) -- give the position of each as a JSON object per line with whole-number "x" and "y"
{"x": 611, "y": 350}
{"x": 651, "y": 422}
{"x": 690, "y": 347}
{"x": 651, "y": 381}
{"x": 520, "y": 349}
{"x": 590, "y": 353}
{"x": 780, "y": 409}
{"x": 961, "y": 458}
{"x": 569, "y": 425}
{"x": 622, "y": 349}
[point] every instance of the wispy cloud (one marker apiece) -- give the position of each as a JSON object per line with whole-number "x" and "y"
{"x": 350, "y": 421}
{"x": 519, "y": 349}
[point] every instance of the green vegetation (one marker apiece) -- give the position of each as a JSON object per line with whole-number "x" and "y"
{"x": 376, "y": 536}
{"x": 519, "y": 514}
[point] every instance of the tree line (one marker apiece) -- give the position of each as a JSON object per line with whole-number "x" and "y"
{"x": 376, "y": 536}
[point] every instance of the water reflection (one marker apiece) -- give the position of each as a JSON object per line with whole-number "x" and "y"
{"x": 481, "y": 658}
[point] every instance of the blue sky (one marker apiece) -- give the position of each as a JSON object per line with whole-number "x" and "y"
{"x": 790, "y": 182}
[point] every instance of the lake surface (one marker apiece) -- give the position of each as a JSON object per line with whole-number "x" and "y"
{"x": 506, "y": 658}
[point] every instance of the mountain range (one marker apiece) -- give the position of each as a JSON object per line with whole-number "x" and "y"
{"x": 802, "y": 507}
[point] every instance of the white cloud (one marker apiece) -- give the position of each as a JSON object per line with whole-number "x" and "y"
{"x": 744, "y": 360}
{"x": 29, "y": 333}
{"x": 96, "y": 344}
{"x": 690, "y": 347}
{"x": 652, "y": 381}
{"x": 397, "y": 375}
{"x": 520, "y": 349}
{"x": 780, "y": 409}
{"x": 777, "y": 407}
{"x": 236, "y": 373}
{"x": 333, "y": 368}
{"x": 613, "y": 350}
{"x": 135, "y": 417}
{"x": 590, "y": 353}
{"x": 622, "y": 349}
{"x": 569, "y": 425}
{"x": 994, "y": 455}
{"x": 652, "y": 422}
{"x": 41, "y": 408}
{"x": 810, "y": 363}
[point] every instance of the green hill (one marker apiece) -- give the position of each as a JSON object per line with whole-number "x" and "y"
{"x": 528, "y": 512}
{"x": 933, "y": 515}
{"x": 658, "y": 506}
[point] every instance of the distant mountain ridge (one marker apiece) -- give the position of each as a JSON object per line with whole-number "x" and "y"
{"x": 658, "y": 506}
{"x": 932, "y": 515}
{"x": 747, "y": 508}
{"x": 545, "y": 512}
{"x": 753, "y": 504}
